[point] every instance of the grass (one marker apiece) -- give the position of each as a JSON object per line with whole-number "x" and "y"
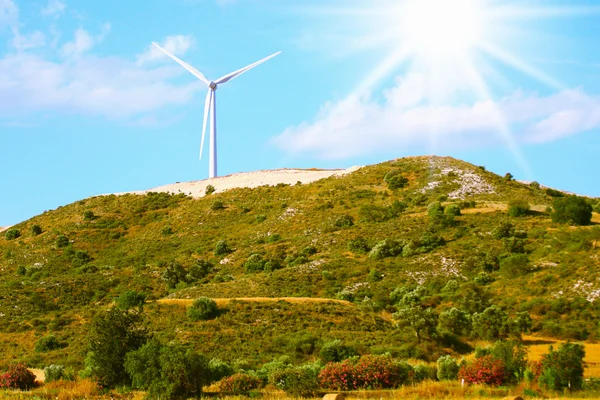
{"x": 538, "y": 346}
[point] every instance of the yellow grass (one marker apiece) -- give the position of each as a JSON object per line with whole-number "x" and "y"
{"x": 222, "y": 301}
{"x": 596, "y": 218}
{"x": 537, "y": 347}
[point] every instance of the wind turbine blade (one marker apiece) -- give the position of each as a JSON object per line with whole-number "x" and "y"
{"x": 185, "y": 65}
{"x": 207, "y": 104}
{"x": 237, "y": 73}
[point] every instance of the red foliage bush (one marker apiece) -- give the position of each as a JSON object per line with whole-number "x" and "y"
{"x": 17, "y": 376}
{"x": 536, "y": 368}
{"x": 487, "y": 370}
{"x": 369, "y": 372}
{"x": 239, "y": 383}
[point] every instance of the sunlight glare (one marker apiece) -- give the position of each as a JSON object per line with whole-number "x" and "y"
{"x": 438, "y": 28}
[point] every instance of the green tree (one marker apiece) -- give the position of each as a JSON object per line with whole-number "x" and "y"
{"x": 36, "y": 230}
{"x": 12, "y": 234}
{"x": 173, "y": 274}
{"x": 514, "y": 357}
{"x": 112, "y": 335}
{"x": 455, "y": 321}
{"x": 518, "y": 208}
{"x": 210, "y": 189}
{"x": 395, "y": 180}
{"x": 222, "y": 248}
{"x": 571, "y": 210}
{"x": 130, "y": 299}
{"x": 422, "y": 321}
{"x": 447, "y": 368}
{"x": 335, "y": 351}
{"x": 491, "y": 324}
{"x": 563, "y": 368}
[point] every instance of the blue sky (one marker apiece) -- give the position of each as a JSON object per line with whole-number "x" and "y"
{"x": 87, "y": 107}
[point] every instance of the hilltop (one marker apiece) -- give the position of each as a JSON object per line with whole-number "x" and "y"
{"x": 357, "y": 235}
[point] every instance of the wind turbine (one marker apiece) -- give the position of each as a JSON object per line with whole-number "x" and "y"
{"x": 211, "y": 103}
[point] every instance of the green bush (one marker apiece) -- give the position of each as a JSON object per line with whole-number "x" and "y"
{"x": 301, "y": 381}
{"x": 503, "y": 230}
{"x": 239, "y": 383}
{"x": 453, "y": 210}
{"x": 130, "y": 299}
{"x": 344, "y": 221}
{"x": 88, "y": 215}
{"x": 254, "y": 263}
{"x": 62, "y": 241}
{"x": 515, "y": 265}
{"x": 423, "y": 372}
{"x": 222, "y": 248}
{"x": 36, "y": 230}
{"x": 395, "y": 180}
{"x": 373, "y": 213}
{"x": 514, "y": 358}
{"x": 219, "y": 369}
{"x": 491, "y": 324}
{"x": 571, "y": 210}
{"x": 199, "y": 270}
{"x": 217, "y": 205}
{"x": 210, "y": 189}
{"x": 57, "y": 372}
{"x": 202, "y": 309}
{"x": 12, "y": 234}
{"x": 563, "y": 368}
{"x": 47, "y": 343}
{"x": 359, "y": 245}
{"x": 335, "y": 351}
{"x": 174, "y": 274}
{"x": 386, "y": 248}
{"x": 518, "y": 208}
{"x": 447, "y": 368}
{"x": 455, "y": 321}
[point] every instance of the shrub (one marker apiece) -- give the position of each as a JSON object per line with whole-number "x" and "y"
{"x": 503, "y": 230}
{"x": 369, "y": 372}
{"x": 572, "y": 210}
{"x": 453, "y": 210}
{"x": 518, "y": 208}
{"x": 344, "y": 221}
{"x": 335, "y": 351}
{"x": 395, "y": 180}
{"x": 166, "y": 231}
{"x": 56, "y": 372}
{"x": 423, "y": 322}
{"x": 483, "y": 278}
{"x": 130, "y": 299}
{"x": 297, "y": 381}
{"x": 309, "y": 251}
{"x": 374, "y": 276}
{"x": 491, "y": 324}
{"x": 36, "y": 230}
{"x": 62, "y": 241}
{"x": 174, "y": 274}
{"x": 373, "y": 213}
{"x": 17, "y": 376}
{"x": 563, "y": 368}
{"x": 88, "y": 215}
{"x": 12, "y": 234}
{"x": 455, "y": 321}
{"x": 422, "y": 372}
{"x": 485, "y": 370}
{"x": 217, "y": 205}
{"x": 359, "y": 245}
{"x": 80, "y": 258}
{"x": 386, "y": 248}
{"x": 210, "y": 189}
{"x": 199, "y": 270}
{"x": 202, "y": 309}
{"x": 222, "y": 248}
{"x": 508, "y": 177}
{"x": 239, "y": 383}
{"x": 47, "y": 343}
{"x": 255, "y": 263}
{"x": 515, "y": 265}
{"x": 514, "y": 358}
{"x": 447, "y": 368}
{"x": 219, "y": 369}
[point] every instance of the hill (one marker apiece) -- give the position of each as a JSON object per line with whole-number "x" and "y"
{"x": 367, "y": 236}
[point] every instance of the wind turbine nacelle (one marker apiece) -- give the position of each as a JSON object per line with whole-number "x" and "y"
{"x": 212, "y": 86}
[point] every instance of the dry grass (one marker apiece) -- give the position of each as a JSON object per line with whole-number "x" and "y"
{"x": 223, "y": 302}
{"x": 537, "y": 347}
{"x": 40, "y": 377}
{"x": 596, "y": 218}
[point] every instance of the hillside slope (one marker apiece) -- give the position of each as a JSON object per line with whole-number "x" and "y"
{"x": 301, "y": 240}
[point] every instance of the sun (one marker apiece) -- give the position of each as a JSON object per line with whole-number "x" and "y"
{"x": 442, "y": 28}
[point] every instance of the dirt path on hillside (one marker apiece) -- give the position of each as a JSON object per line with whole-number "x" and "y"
{"x": 225, "y": 301}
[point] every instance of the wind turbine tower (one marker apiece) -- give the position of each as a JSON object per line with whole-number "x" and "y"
{"x": 210, "y": 104}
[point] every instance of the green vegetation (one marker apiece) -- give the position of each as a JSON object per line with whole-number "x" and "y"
{"x": 425, "y": 269}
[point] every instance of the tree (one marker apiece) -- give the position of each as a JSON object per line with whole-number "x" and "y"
{"x": 170, "y": 372}
{"x": 130, "y": 299}
{"x": 12, "y": 234}
{"x": 514, "y": 357}
{"x": 422, "y": 322}
{"x": 36, "y": 230}
{"x": 455, "y": 321}
{"x": 447, "y": 368}
{"x": 491, "y": 324}
{"x": 222, "y": 248}
{"x": 210, "y": 189}
{"x": 395, "y": 180}
{"x": 112, "y": 335}
{"x": 173, "y": 274}
{"x": 563, "y": 368}
{"x": 335, "y": 351}
{"x": 571, "y": 210}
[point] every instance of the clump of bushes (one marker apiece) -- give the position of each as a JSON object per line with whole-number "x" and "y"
{"x": 344, "y": 221}
{"x": 217, "y": 205}
{"x": 571, "y": 210}
{"x": 47, "y": 343}
{"x": 130, "y": 299}
{"x": 239, "y": 383}
{"x": 55, "y": 372}
{"x": 222, "y": 248}
{"x": 210, "y": 189}
{"x": 36, "y": 230}
{"x": 485, "y": 370}
{"x": 62, "y": 241}
{"x": 336, "y": 351}
{"x": 447, "y": 368}
{"x": 359, "y": 245}
{"x": 17, "y": 376}
{"x": 563, "y": 368}
{"x": 518, "y": 208}
{"x": 395, "y": 180}
{"x": 368, "y": 372}
{"x": 12, "y": 234}
{"x": 297, "y": 381}
{"x": 202, "y": 309}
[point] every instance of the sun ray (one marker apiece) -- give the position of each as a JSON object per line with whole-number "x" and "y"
{"x": 509, "y": 59}
{"x": 528, "y": 12}
{"x": 392, "y": 61}
{"x": 504, "y": 130}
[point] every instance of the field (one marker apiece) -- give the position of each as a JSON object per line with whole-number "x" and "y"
{"x": 538, "y": 346}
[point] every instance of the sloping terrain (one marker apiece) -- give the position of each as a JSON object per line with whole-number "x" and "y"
{"x": 301, "y": 240}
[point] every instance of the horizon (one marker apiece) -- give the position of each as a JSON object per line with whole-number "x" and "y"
{"x": 90, "y": 108}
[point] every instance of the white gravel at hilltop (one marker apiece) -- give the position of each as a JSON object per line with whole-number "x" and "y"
{"x": 247, "y": 180}
{"x": 3, "y": 228}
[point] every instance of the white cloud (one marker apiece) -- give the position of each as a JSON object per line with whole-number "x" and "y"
{"x": 30, "y": 41}
{"x": 9, "y": 14}
{"x": 83, "y": 41}
{"x": 176, "y": 44}
{"x": 54, "y": 8}
{"x": 356, "y": 126}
